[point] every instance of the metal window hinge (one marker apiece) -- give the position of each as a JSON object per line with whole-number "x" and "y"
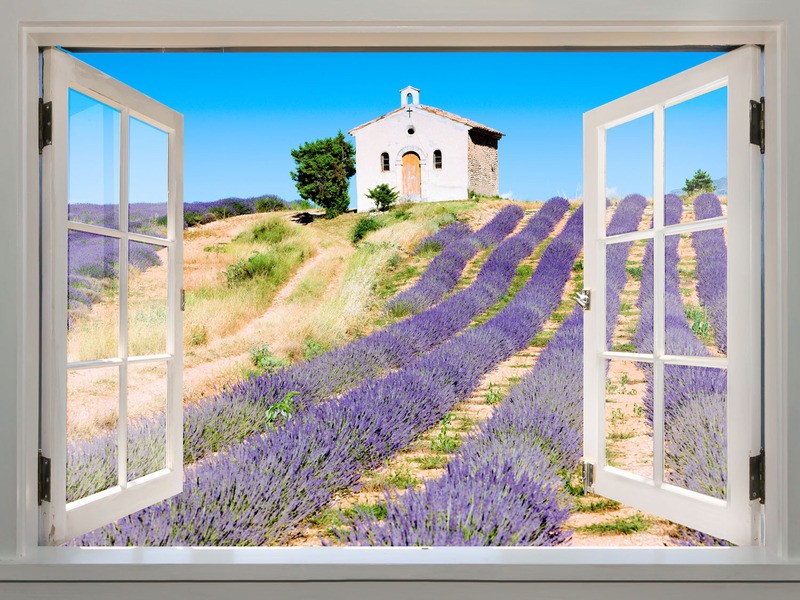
{"x": 584, "y": 299}
{"x": 757, "y": 487}
{"x": 757, "y": 124}
{"x": 44, "y": 478}
{"x": 45, "y": 124}
{"x": 183, "y": 299}
{"x": 587, "y": 475}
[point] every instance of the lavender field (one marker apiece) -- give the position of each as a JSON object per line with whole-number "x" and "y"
{"x": 455, "y": 418}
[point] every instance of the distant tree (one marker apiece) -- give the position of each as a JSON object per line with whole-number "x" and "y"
{"x": 700, "y": 182}
{"x": 323, "y": 169}
{"x": 383, "y": 196}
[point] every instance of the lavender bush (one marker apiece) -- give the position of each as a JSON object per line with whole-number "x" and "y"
{"x": 259, "y": 491}
{"x": 712, "y": 268}
{"x": 240, "y": 411}
{"x": 445, "y": 269}
{"x": 503, "y": 488}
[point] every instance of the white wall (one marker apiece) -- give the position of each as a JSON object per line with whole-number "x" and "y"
{"x": 391, "y": 135}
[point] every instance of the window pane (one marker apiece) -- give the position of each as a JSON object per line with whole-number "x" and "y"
{"x": 92, "y": 417}
{"x": 695, "y": 428}
{"x": 632, "y": 331}
{"x": 629, "y": 419}
{"x": 695, "y": 317}
{"x": 147, "y": 299}
{"x": 92, "y": 296}
{"x": 696, "y": 147}
{"x": 93, "y": 172}
{"x": 147, "y": 412}
{"x": 629, "y": 165}
{"x": 148, "y": 179}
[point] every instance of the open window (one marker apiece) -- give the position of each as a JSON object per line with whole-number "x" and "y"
{"x": 704, "y": 397}
{"x": 112, "y": 186}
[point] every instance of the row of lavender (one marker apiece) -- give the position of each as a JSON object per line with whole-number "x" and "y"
{"x": 444, "y": 237}
{"x": 259, "y": 492}
{"x": 504, "y": 487}
{"x": 241, "y": 411}
{"x": 694, "y": 397}
{"x": 712, "y": 268}
{"x": 445, "y": 269}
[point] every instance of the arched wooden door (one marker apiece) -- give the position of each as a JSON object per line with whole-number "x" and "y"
{"x": 412, "y": 182}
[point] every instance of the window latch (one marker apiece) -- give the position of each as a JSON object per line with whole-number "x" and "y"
{"x": 587, "y": 474}
{"x": 584, "y": 299}
{"x": 758, "y": 124}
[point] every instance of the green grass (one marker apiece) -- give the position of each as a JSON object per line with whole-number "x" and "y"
{"x": 635, "y": 272}
{"x": 698, "y": 321}
{"x": 600, "y": 505}
{"x": 621, "y": 525}
{"x": 626, "y": 347}
{"x": 270, "y": 231}
{"x": 436, "y": 461}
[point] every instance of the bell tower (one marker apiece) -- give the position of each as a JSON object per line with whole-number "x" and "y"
{"x": 409, "y": 96}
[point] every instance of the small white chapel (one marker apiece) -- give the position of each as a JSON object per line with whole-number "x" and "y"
{"x": 425, "y": 153}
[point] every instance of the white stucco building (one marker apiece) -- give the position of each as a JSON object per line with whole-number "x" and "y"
{"x": 426, "y": 153}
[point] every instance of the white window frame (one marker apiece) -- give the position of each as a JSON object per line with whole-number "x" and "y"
{"x": 735, "y": 518}
{"x": 62, "y": 520}
{"x": 335, "y": 572}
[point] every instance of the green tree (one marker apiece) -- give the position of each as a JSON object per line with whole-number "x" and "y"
{"x": 700, "y": 182}
{"x": 323, "y": 169}
{"x": 383, "y": 196}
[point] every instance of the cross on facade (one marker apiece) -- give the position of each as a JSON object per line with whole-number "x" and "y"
{"x": 408, "y": 110}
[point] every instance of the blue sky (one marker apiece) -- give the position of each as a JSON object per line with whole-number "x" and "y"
{"x": 244, "y": 112}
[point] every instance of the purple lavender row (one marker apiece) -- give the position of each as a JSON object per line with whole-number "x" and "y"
{"x": 712, "y": 268}
{"x": 444, "y": 237}
{"x": 241, "y": 411}
{"x": 504, "y": 486}
{"x": 260, "y": 491}
{"x": 445, "y": 269}
{"x": 694, "y": 397}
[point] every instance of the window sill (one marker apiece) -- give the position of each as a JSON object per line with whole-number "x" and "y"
{"x": 376, "y": 564}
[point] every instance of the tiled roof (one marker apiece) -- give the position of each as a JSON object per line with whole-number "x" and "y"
{"x": 439, "y": 112}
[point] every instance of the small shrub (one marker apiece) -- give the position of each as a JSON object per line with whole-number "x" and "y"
{"x": 198, "y": 335}
{"x": 444, "y": 442}
{"x": 257, "y": 265}
{"x": 473, "y": 195}
{"x": 494, "y": 395}
{"x": 263, "y": 358}
{"x": 269, "y": 204}
{"x": 281, "y": 411}
{"x": 383, "y": 196}
{"x": 192, "y": 218}
{"x": 312, "y": 348}
{"x": 272, "y": 231}
{"x": 363, "y": 226}
{"x": 402, "y": 478}
{"x": 635, "y": 272}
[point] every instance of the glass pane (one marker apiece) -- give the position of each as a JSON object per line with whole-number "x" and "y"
{"x": 696, "y": 148}
{"x": 147, "y": 411}
{"x": 92, "y": 296}
{"x": 625, "y": 271}
{"x": 629, "y": 166}
{"x": 695, "y": 316}
{"x": 148, "y": 179}
{"x": 695, "y": 429}
{"x": 93, "y": 172}
{"x": 147, "y": 299}
{"x": 629, "y": 427}
{"x": 92, "y": 416}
